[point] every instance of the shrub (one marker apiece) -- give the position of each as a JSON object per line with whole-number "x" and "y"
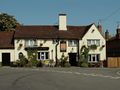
{"x": 46, "y": 62}
{"x": 51, "y": 63}
{"x": 32, "y": 63}
{"x": 83, "y": 63}
{"x": 23, "y": 62}
{"x": 63, "y": 61}
{"x": 40, "y": 64}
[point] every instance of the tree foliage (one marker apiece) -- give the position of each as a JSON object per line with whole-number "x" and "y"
{"x": 7, "y": 22}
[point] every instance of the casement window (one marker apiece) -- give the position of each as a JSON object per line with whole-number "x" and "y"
{"x": 43, "y": 55}
{"x": 72, "y": 43}
{"x": 31, "y": 43}
{"x": 94, "y": 58}
{"x": 98, "y": 42}
{"x": 63, "y": 46}
{"x": 93, "y": 42}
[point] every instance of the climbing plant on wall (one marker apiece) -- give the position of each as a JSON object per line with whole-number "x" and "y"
{"x": 84, "y": 56}
{"x": 32, "y": 57}
{"x": 84, "y": 53}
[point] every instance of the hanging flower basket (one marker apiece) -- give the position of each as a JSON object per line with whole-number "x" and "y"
{"x": 103, "y": 45}
{"x": 93, "y": 47}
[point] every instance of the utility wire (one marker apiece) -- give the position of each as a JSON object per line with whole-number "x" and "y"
{"x": 110, "y": 15}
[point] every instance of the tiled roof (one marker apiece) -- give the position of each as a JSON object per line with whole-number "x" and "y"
{"x": 50, "y": 32}
{"x": 6, "y": 39}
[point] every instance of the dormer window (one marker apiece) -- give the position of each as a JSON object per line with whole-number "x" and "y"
{"x": 92, "y": 31}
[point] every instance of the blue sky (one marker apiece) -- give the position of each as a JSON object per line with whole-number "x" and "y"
{"x": 79, "y": 12}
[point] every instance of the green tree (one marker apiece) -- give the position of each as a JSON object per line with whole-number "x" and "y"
{"x": 7, "y": 22}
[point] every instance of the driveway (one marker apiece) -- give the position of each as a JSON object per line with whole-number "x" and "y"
{"x": 59, "y": 78}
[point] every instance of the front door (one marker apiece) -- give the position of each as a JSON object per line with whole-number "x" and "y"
{"x": 72, "y": 59}
{"x": 6, "y": 59}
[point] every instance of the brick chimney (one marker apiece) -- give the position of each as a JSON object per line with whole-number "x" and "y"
{"x": 118, "y": 32}
{"x": 107, "y": 35}
{"x": 99, "y": 27}
{"x": 62, "y": 22}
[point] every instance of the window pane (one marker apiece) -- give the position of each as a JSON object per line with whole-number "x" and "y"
{"x": 43, "y": 55}
{"x": 35, "y": 42}
{"x": 93, "y": 58}
{"x": 47, "y": 55}
{"x": 89, "y": 58}
{"x": 98, "y": 42}
{"x": 93, "y": 42}
{"x": 30, "y": 43}
{"x": 38, "y": 55}
{"x": 98, "y": 57}
{"x": 88, "y": 42}
{"x": 70, "y": 43}
{"x": 75, "y": 43}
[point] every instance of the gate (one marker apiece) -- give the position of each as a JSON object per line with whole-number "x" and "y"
{"x": 113, "y": 62}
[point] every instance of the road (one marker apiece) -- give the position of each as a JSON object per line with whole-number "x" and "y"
{"x": 59, "y": 78}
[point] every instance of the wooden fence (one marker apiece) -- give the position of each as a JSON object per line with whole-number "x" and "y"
{"x": 113, "y": 62}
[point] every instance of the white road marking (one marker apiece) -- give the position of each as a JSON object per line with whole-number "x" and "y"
{"x": 85, "y": 74}
{"x": 118, "y": 73}
{"x": 72, "y": 72}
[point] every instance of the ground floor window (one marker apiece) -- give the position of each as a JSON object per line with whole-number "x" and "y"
{"x": 43, "y": 55}
{"x": 94, "y": 58}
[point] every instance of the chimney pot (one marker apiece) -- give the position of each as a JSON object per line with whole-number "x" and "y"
{"x": 99, "y": 27}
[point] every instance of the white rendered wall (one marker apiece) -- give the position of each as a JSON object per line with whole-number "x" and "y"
{"x": 95, "y": 35}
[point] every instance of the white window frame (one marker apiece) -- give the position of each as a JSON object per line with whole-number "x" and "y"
{"x": 93, "y": 42}
{"x": 31, "y": 43}
{"x": 39, "y": 57}
{"x": 91, "y": 56}
{"x": 98, "y": 42}
{"x": 72, "y": 43}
